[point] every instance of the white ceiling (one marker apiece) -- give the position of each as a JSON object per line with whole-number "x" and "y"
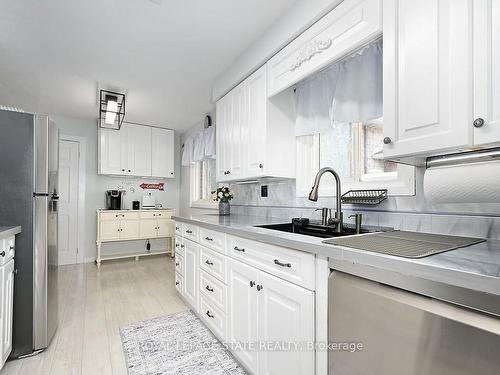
{"x": 165, "y": 54}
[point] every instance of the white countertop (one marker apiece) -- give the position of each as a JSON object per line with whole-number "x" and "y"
{"x": 6, "y": 232}
{"x": 475, "y": 267}
{"x": 141, "y": 210}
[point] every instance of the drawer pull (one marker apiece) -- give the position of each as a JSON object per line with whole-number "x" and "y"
{"x": 177, "y": 245}
{"x": 176, "y": 283}
{"x": 2, "y": 253}
{"x": 176, "y": 228}
{"x": 209, "y": 239}
{"x": 209, "y": 315}
{"x": 252, "y": 284}
{"x": 259, "y": 287}
{"x": 209, "y": 262}
{"x": 209, "y": 289}
{"x": 239, "y": 249}
{"x": 189, "y": 231}
{"x": 183, "y": 246}
{"x": 276, "y": 261}
{"x": 176, "y": 264}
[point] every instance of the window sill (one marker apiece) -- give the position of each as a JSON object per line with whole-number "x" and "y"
{"x": 205, "y": 204}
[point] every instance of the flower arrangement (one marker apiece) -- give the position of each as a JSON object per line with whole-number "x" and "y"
{"x": 222, "y": 194}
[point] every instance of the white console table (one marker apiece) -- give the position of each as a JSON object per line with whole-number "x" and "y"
{"x": 129, "y": 225}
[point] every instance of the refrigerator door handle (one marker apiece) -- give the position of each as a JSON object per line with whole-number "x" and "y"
{"x": 40, "y": 194}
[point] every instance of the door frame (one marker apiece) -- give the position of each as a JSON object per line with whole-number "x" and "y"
{"x": 80, "y": 230}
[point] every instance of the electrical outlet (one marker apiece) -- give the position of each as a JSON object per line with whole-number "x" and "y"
{"x": 263, "y": 191}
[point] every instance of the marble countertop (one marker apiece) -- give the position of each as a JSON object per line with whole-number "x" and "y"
{"x": 6, "y": 232}
{"x": 142, "y": 209}
{"x": 475, "y": 267}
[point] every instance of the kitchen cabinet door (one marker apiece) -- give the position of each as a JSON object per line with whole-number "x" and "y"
{"x": 254, "y": 131}
{"x": 7, "y": 288}
{"x": 236, "y": 124}
{"x": 148, "y": 228}
{"x": 111, "y": 160}
{"x": 138, "y": 150}
{"x": 486, "y": 72}
{"x": 243, "y": 312}
{"x": 191, "y": 260}
{"x": 223, "y": 113}
{"x": 129, "y": 229}
{"x": 162, "y": 153}
{"x": 427, "y": 76}
{"x": 166, "y": 227}
{"x": 286, "y": 315}
{"x": 109, "y": 230}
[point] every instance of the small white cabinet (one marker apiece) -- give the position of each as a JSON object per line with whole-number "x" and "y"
{"x": 191, "y": 272}
{"x": 7, "y": 248}
{"x": 136, "y": 150}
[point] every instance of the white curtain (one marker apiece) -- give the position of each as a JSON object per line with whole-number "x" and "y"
{"x": 358, "y": 95}
{"x": 209, "y": 137}
{"x": 198, "y": 147}
{"x": 347, "y": 91}
{"x": 187, "y": 152}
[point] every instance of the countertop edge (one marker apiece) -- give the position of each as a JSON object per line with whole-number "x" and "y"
{"x": 6, "y": 232}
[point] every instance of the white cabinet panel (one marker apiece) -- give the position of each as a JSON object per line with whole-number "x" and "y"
{"x": 191, "y": 256}
{"x": 427, "y": 76}
{"x": 147, "y": 228}
{"x": 162, "y": 153}
{"x": 236, "y": 126}
{"x": 243, "y": 311}
{"x": 166, "y": 228}
{"x": 110, "y": 149}
{"x": 109, "y": 230}
{"x": 286, "y": 314}
{"x": 129, "y": 229}
{"x": 138, "y": 150}
{"x": 487, "y": 71}
{"x": 223, "y": 108}
{"x": 347, "y": 27}
{"x": 7, "y": 295}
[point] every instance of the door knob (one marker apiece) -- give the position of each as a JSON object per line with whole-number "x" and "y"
{"x": 261, "y": 166}
{"x": 259, "y": 287}
{"x": 387, "y": 140}
{"x": 2, "y": 253}
{"x": 478, "y": 123}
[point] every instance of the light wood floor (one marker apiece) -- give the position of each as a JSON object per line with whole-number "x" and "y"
{"x": 93, "y": 304}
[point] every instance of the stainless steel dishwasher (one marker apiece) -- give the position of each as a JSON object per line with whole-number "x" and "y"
{"x": 405, "y": 333}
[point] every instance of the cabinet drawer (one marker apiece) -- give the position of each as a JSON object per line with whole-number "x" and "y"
{"x": 179, "y": 246}
{"x": 213, "y": 263}
{"x": 155, "y": 214}
{"x": 215, "y": 319}
{"x": 190, "y": 231}
{"x": 213, "y": 240}
{"x": 292, "y": 265}
{"x": 7, "y": 248}
{"x": 345, "y": 28}
{"x": 179, "y": 283}
{"x": 214, "y": 290}
{"x": 179, "y": 264}
{"x": 130, "y": 216}
{"x": 106, "y": 216}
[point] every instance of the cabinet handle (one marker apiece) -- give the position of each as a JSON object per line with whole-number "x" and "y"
{"x": 209, "y": 239}
{"x": 209, "y": 289}
{"x": 209, "y": 315}
{"x": 259, "y": 287}
{"x": 176, "y": 228}
{"x": 116, "y": 215}
{"x": 123, "y": 170}
{"x": 239, "y": 249}
{"x": 261, "y": 166}
{"x": 478, "y": 123}
{"x": 11, "y": 247}
{"x": 252, "y": 284}
{"x": 189, "y": 231}
{"x": 176, "y": 283}
{"x": 276, "y": 261}
{"x": 154, "y": 215}
{"x": 228, "y": 172}
{"x": 387, "y": 140}
{"x": 2, "y": 253}
{"x": 183, "y": 246}
{"x": 129, "y": 170}
{"x": 209, "y": 262}
{"x": 177, "y": 245}
{"x": 176, "y": 264}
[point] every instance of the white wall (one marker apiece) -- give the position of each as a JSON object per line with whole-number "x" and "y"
{"x": 96, "y": 186}
{"x": 291, "y": 24}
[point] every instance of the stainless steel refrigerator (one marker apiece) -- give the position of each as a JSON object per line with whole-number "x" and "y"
{"x": 28, "y": 197}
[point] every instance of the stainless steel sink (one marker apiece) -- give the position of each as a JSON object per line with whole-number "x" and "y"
{"x": 303, "y": 226}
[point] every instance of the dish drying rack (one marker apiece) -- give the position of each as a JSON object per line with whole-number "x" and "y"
{"x": 369, "y": 197}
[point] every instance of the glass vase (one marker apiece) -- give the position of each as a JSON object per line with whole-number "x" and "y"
{"x": 224, "y": 208}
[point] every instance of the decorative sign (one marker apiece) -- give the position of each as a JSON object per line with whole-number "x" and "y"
{"x": 160, "y": 186}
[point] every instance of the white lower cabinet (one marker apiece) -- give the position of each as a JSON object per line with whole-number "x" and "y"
{"x": 6, "y": 297}
{"x": 191, "y": 272}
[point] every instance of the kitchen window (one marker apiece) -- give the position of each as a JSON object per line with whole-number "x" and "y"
{"x": 354, "y": 150}
{"x": 202, "y": 183}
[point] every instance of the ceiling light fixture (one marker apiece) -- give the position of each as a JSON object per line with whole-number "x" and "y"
{"x": 111, "y": 109}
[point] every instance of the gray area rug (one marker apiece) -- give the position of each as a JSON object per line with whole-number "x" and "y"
{"x": 175, "y": 344}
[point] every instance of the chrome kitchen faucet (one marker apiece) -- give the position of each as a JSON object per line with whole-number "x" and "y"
{"x": 313, "y": 196}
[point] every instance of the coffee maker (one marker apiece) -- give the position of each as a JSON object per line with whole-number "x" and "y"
{"x": 114, "y": 199}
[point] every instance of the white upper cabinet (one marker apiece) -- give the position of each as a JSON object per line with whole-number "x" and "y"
{"x": 486, "y": 72}
{"x": 427, "y": 77}
{"x": 347, "y": 27}
{"x": 136, "y": 150}
{"x": 255, "y": 135}
{"x": 162, "y": 153}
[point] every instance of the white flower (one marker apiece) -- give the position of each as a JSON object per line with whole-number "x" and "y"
{"x": 231, "y": 193}
{"x": 226, "y": 195}
{"x": 220, "y": 194}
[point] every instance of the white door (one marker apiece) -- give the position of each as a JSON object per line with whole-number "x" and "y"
{"x": 243, "y": 312}
{"x": 191, "y": 259}
{"x": 7, "y": 306}
{"x": 138, "y": 150}
{"x": 427, "y": 76}
{"x": 286, "y": 314}
{"x": 162, "y": 153}
{"x": 223, "y": 111}
{"x": 110, "y": 151}
{"x": 254, "y": 134}
{"x": 235, "y": 128}
{"x": 68, "y": 202}
{"x": 486, "y": 72}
